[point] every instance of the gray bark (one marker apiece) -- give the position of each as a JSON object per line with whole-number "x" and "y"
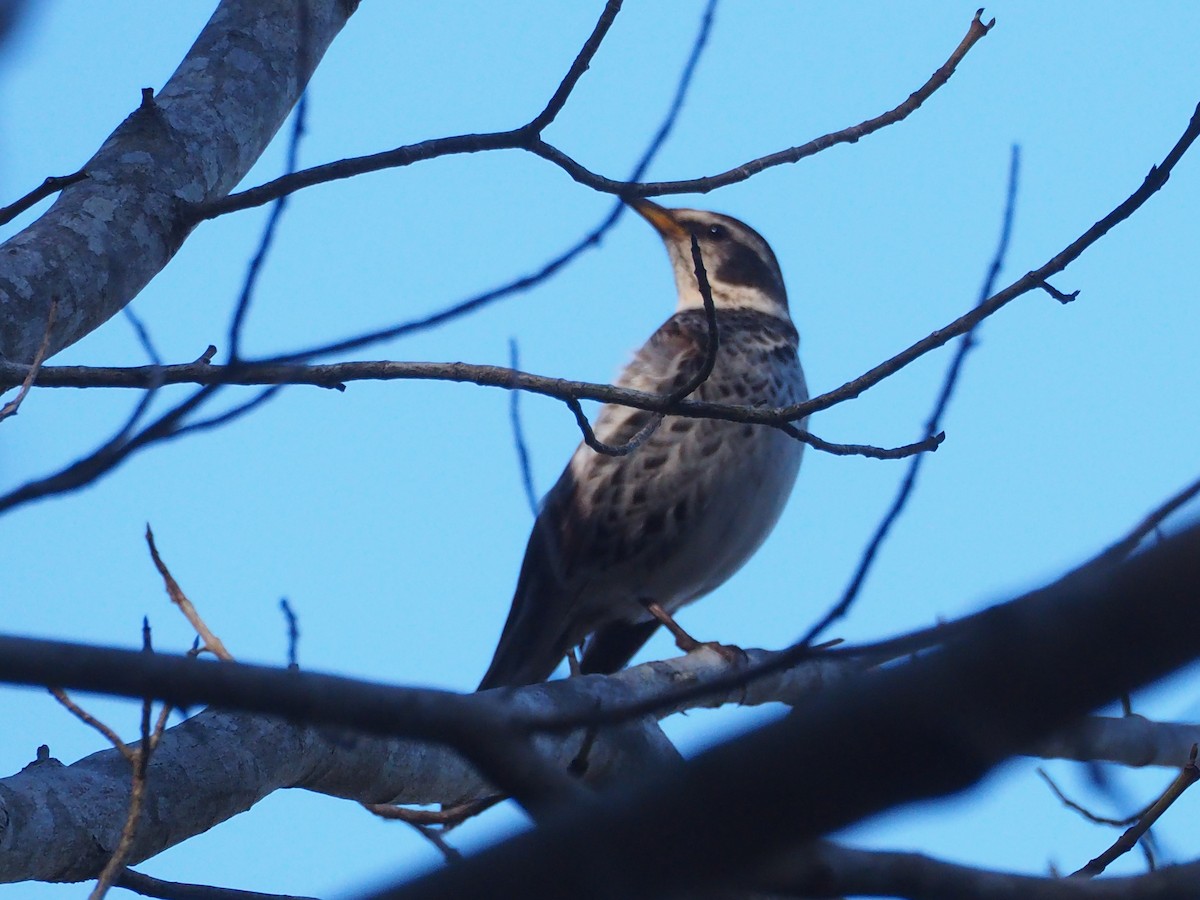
{"x": 60, "y": 823}
{"x": 107, "y": 236}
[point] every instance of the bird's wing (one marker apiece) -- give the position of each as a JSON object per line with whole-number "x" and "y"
{"x": 573, "y": 538}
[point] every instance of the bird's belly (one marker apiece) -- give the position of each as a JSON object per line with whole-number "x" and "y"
{"x": 731, "y": 498}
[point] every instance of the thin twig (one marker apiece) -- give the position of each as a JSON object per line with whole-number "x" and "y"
{"x": 1059, "y": 295}
{"x": 447, "y": 817}
{"x": 212, "y": 643}
{"x": 121, "y": 446}
{"x": 933, "y": 424}
{"x": 143, "y": 336}
{"x": 175, "y": 890}
{"x": 10, "y": 408}
{"x": 518, "y": 432}
{"x": 589, "y": 436}
{"x": 268, "y": 234}
{"x": 51, "y": 185}
{"x": 1126, "y": 545}
{"x": 223, "y": 418}
{"x": 712, "y": 341}
{"x": 433, "y": 825}
{"x": 139, "y": 762}
{"x": 528, "y": 138}
{"x": 293, "y": 624}
{"x": 88, "y": 719}
{"x": 1083, "y": 810}
{"x": 1188, "y": 776}
{"x": 562, "y": 389}
{"x": 582, "y": 61}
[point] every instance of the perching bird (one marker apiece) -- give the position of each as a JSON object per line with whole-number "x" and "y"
{"x": 622, "y": 542}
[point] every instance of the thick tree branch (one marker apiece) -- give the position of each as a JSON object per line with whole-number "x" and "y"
{"x": 943, "y": 721}
{"x": 335, "y": 375}
{"x": 827, "y": 870}
{"x": 928, "y": 702}
{"x": 107, "y": 235}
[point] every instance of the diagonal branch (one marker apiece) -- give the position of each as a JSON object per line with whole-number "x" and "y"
{"x": 52, "y": 185}
{"x": 1153, "y": 181}
{"x": 554, "y": 106}
{"x": 529, "y": 138}
{"x": 193, "y": 141}
{"x": 12, "y": 406}
{"x": 932, "y": 426}
{"x": 945, "y": 721}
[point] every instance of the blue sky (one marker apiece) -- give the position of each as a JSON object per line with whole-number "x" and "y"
{"x": 392, "y": 515}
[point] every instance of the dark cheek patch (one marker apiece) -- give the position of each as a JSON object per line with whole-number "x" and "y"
{"x": 744, "y": 266}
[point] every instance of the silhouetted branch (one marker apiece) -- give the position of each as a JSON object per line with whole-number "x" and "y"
{"x": 334, "y": 374}
{"x": 945, "y": 720}
{"x": 556, "y": 264}
{"x": 174, "y": 890}
{"x": 528, "y": 137}
{"x": 1153, "y": 181}
{"x": 932, "y": 425}
{"x": 1148, "y": 525}
{"x": 268, "y": 233}
{"x": 514, "y": 417}
{"x": 51, "y": 185}
{"x": 1189, "y": 775}
{"x": 334, "y": 762}
{"x": 827, "y": 870}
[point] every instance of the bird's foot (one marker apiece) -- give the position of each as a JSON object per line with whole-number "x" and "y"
{"x": 731, "y": 653}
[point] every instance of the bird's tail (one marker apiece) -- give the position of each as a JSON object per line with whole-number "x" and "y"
{"x": 534, "y": 640}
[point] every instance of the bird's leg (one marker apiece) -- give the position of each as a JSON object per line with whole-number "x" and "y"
{"x": 685, "y": 642}
{"x": 573, "y": 662}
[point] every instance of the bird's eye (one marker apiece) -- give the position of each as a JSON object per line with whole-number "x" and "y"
{"x": 717, "y": 232}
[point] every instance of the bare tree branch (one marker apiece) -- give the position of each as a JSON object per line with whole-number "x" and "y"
{"x": 932, "y": 714}
{"x": 335, "y": 374}
{"x": 518, "y": 433}
{"x": 1153, "y": 181}
{"x": 212, "y": 643}
{"x": 556, "y": 264}
{"x": 190, "y": 144}
{"x": 932, "y": 425}
{"x": 528, "y": 137}
{"x": 174, "y": 890}
{"x": 945, "y": 720}
{"x": 332, "y": 376}
{"x": 12, "y": 406}
{"x": 827, "y": 869}
{"x": 52, "y": 185}
{"x": 1188, "y": 776}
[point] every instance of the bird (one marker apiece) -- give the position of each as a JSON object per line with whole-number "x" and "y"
{"x": 621, "y": 542}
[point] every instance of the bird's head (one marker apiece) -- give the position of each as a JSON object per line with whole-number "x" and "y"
{"x": 741, "y": 267}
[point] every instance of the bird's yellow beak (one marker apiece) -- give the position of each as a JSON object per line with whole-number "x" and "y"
{"x": 660, "y": 217}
